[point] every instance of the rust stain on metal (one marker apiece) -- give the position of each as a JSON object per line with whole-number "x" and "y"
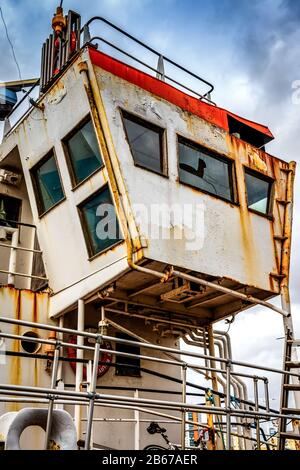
{"x": 120, "y": 192}
{"x": 15, "y": 368}
{"x": 237, "y": 151}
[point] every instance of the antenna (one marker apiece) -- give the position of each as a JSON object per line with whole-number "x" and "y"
{"x": 10, "y": 43}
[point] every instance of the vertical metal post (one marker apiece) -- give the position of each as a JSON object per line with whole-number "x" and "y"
{"x": 285, "y": 293}
{"x": 13, "y": 258}
{"x": 79, "y": 366}
{"x": 214, "y": 380}
{"x": 92, "y": 394}
{"x": 51, "y": 398}
{"x": 183, "y": 419}
{"x": 136, "y": 425}
{"x": 255, "y": 383}
{"x": 267, "y": 399}
{"x": 228, "y": 406}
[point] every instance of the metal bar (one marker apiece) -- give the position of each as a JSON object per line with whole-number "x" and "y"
{"x": 183, "y": 416}
{"x": 99, "y": 18}
{"x": 24, "y": 275}
{"x": 15, "y": 222}
{"x": 255, "y": 383}
{"x": 239, "y": 295}
{"x": 21, "y": 101}
{"x": 20, "y": 248}
{"x": 51, "y": 397}
{"x": 144, "y": 345}
{"x": 79, "y": 365}
{"x": 13, "y": 258}
{"x": 137, "y": 421}
{"x": 267, "y": 398}
{"x": 18, "y": 390}
{"x": 212, "y": 285}
{"x": 92, "y": 395}
{"x": 228, "y": 406}
{"x": 146, "y": 65}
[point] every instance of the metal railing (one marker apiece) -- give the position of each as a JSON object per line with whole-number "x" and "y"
{"x": 10, "y": 234}
{"x": 161, "y": 59}
{"x": 91, "y": 398}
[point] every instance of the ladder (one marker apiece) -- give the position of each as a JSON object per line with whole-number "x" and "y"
{"x": 290, "y": 360}
{"x": 290, "y": 384}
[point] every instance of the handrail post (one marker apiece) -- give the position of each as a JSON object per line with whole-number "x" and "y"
{"x": 51, "y": 397}
{"x": 255, "y": 382}
{"x": 92, "y": 394}
{"x": 12, "y": 268}
{"x": 183, "y": 418}
{"x": 228, "y": 406}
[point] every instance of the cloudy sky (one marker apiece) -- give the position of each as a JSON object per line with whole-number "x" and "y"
{"x": 249, "y": 50}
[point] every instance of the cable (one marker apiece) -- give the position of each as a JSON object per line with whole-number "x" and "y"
{"x": 61, "y": 3}
{"x": 10, "y": 43}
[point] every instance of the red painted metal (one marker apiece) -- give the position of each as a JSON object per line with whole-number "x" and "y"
{"x": 212, "y": 114}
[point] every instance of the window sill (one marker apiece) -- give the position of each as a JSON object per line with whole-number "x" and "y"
{"x": 159, "y": 173}
{"x": 98, "y": 170}
{"x": 215, "y": 196}
{"x": 265, "y": 216}
{"x": 111, "y": 247}
{"x": 52, "y": 207}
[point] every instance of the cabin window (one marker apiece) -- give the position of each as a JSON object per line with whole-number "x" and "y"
{"x": 83, "y": 152}
{"x": 100, "y": 222}
{"x": 127, "y": 366}
{"x": 204, "y": 170}
{"x": 47, "y": 183}
{"x": 146, "y": 143}
{"x": 10, "y": 208}
{"x": 259, "y": 190}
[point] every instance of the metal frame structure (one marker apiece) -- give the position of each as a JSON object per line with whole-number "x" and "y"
{"x": 92, "y": 398}
{"x": 14, "y": 247}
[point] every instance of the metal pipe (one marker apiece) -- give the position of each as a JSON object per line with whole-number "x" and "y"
{"x": 145, "y": 345}
{"x": 37, "y": 391}
{"x": 183, "y": 417}
{"x": 255, "y": 383}
{"x": 137, "y": 425}
{"x": 51, "y": 397}
{"x": 79, "y": 365}
{"x": 99, "y": 18}
{"x": 13, "y": 273}
{"x": 13, "y": 256}
{"x": 267, "y": 400}
{"x": 92, "y": 395}
{"x": 20, "y": 248}
{"x": 228, "y": 406}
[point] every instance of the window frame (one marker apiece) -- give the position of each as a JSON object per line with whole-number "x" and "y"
{"x": 217, "y": 156}
{"x": 271, "y": 191}
{"x": 162, "y": 131}
{"x": 68, "y": 157}
{"x": 20, "y": 201}
{"x": 87, "y": 238}
{"x": 36, "y": 187}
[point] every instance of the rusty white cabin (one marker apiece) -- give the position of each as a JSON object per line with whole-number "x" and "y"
{"x": 189, "y": 190}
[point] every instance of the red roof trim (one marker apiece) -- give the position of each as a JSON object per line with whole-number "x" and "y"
{"x": 210, "y": 113}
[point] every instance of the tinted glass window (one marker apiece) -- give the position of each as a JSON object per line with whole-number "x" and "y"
{"x": 9, "y": 210}
{"x": 100, "y": 222}
{"x": 258, "y": 193}
{"x": 84, "y": 152}
{"x": 145, "y": 142}
{"x": 48, "y": 184}
{"x": 205, "y": 171}
{"x": 127, "y": 366}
